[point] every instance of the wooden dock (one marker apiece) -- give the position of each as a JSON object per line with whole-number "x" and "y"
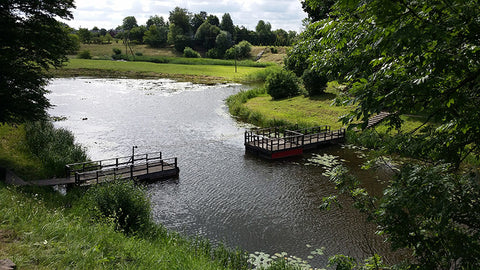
{"x": 144, "y": 167}
{"x": 279, "y": 142}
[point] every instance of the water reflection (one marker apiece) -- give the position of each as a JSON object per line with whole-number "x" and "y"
{"x": 221, "y": 193}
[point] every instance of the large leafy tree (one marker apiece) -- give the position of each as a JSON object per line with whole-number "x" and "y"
{"x": 31, "y": 42}
{"x": 411, "y": 58}
{"x": 404, "y": 57}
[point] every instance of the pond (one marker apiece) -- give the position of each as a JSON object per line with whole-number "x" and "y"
{"x": 222, "y": 193}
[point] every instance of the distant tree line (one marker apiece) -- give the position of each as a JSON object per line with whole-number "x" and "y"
{"x": 202, "y": 31}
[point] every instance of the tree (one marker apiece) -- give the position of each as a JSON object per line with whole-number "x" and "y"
{"x": 222, "y": 42}
{"x": 155, "y": 20}
{"x": 129, "y": 23}
{"x": 156, "y": 36}
{"x": 317, "y": 9}
{"x": 213, "y": 20}
{"x": 32, "y": 41}
{"x": 197, "y": 20}
{"x": 264, "y": 33}
{"x": 181, "y": 18}
{"x": 207, "y": 34}
{"x": 84, "y": 35}
{"x": 412, "y": 58}
{"x": 227, "y": 24}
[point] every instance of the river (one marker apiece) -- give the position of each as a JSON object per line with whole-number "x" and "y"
{"x": 221, "y": 193}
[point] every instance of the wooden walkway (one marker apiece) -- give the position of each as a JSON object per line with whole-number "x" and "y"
{"x": 279, "y": 142}
{"x": 143, "y": 167}
{"x": 377, "y": 119}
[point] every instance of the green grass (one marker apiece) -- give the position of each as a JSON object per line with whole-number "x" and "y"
{"x": 257, "y": 107}
{"x": 202, "y": 73}
{"x": 15, "y": 154}
{"x": 36, "y": 232}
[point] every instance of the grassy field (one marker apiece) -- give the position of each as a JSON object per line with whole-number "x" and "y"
{"x": 196, "y": 73}
{"x": 101, "y": 51}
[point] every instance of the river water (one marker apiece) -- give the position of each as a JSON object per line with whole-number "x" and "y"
{"x": 221, "y": 193}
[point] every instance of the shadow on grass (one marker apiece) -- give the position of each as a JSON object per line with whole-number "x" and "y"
{"x": 323, "y": 97}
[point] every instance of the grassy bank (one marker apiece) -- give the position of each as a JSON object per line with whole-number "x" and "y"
{"x": 195, "y": 73}
{"x": 257, "y": 107}
{"x": 37, "y": 231}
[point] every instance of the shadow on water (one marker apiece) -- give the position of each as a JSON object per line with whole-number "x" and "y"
{"x": 221, "y": 193}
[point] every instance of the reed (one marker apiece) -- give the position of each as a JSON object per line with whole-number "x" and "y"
{"x": 54, "y": 147}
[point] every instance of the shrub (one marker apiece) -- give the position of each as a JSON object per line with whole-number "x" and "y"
{"x": 123, "y": 202}
{"x": 273, "y": 50}
{"x": 243, "y": 51}
{"x": 190, "y": 53}
{"x": 230, "y": 53}
{"x": 314, "y": 82}
{"x": 85, "y": 54}
{"x": 55, "y": 147}
{"x": 282, "y": 84}
{"x": 116, "y": 51}
{"x": 214, "y": 53}
{"x": 138, "y": 53}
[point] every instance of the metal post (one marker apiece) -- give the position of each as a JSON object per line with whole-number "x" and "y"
{"x": 133, "y": 154}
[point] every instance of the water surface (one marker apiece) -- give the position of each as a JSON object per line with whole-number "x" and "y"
{"x": 221, "y": 193}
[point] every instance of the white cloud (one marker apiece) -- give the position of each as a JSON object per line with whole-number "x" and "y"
{"x": 285, "y": 14}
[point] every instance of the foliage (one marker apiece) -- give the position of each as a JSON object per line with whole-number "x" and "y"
{"x": 123, "y": 202}
{"x": 55, "y": 147}
{"x": 39, "y": 231}
{"x": 85, "y": 54}
{"x": 129, "y": 23}
{"x": 297, "y": 59}
{"x": 428, "y": 210}
{"x": 206, "y": 35}
{"x": 222, "y": 42}
{"x": 227, "y": 24}
{"x": 116, "y": 51}
{"x": 190, "y": 53}
{"x": 181, "y": 18}
{"x": 282, "y": 84}
{"x": 314, "y": 83}
{"x": 317, "y": 9}
{"x": 214, "y": 53}
{"x": 240, "y": 51}
{"x": 156, "y": 36}
{"x": 32, "y": 41}
{"x": 264, "y": 33}
{"x": 409, "y": 58}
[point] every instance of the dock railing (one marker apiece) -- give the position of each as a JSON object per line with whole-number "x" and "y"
{"x": 282, "y": 138}
{"x": 105, "y": 164}
{"x": 144, "y": 166}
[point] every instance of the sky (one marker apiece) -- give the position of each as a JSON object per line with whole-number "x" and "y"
{"x": 108, "y": 14}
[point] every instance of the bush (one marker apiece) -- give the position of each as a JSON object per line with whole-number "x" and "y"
{"x": 138, "y": 53}
{"x": 116, "y": 51}
{"x": 243, "y": 51}
{"x": 190, "y": 53}
{"x": 55, "y": 147}
{"x": 282, "y": 84}
{"x": 123, "y": 202}
{"x": 214, "y": 53}
{"x": 85, "y": 54}
{"x": 314, "y": 82}
{"x": 274, "y": 50}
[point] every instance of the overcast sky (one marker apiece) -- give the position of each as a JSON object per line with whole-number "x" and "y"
{"x": 284, "y": 14}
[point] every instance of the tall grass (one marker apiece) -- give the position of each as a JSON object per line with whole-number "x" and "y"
{"x": 51, "y": 231}
{"x": 54, "y": 147}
